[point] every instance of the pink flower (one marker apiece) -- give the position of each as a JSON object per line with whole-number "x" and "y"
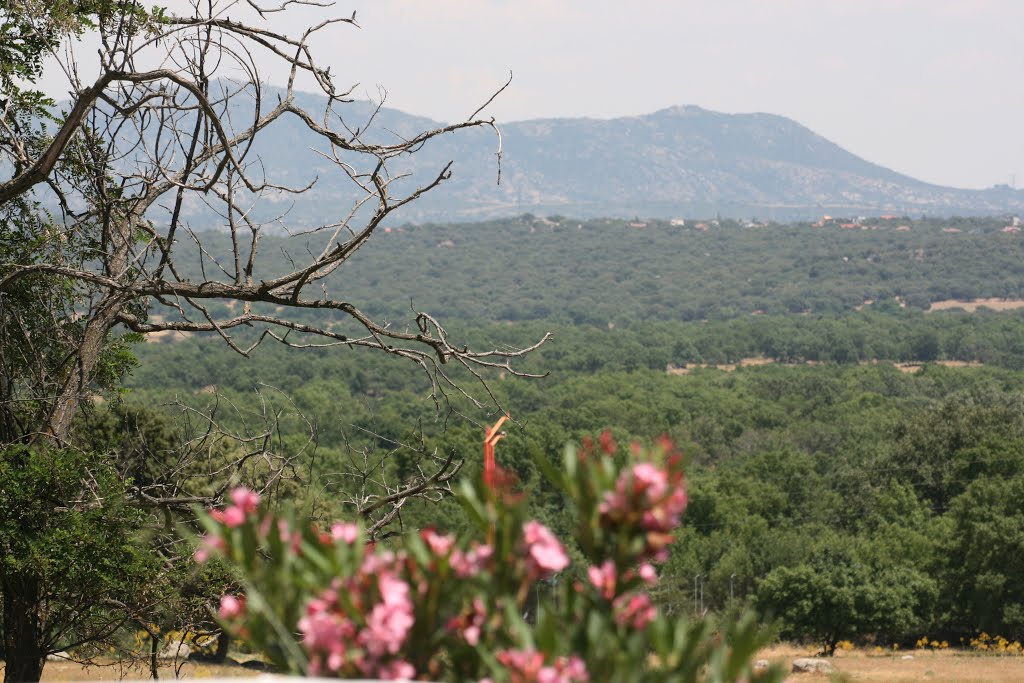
{"x": 246, "y": 499}
{"x": 209, "y": 545}
{"x": 574, "y": 667}
{"x": 386, "y": 629}
{"x": 649, "y": 480}
{"x": 469, "y": 564}
{"x": 390, "y": 621}
{"x": 634, "y": 610}
{"x": 396, "y": 670}
{"x": 527, "y": 666}
{"x": 608, "y": 444}
{"x": 647, "y": 499}
{"x": 545, "y": 554}
{"x": 375, "y": 563}
{"x": 324, "y": 635}
{"x": 470, "y": 624}
{"x": 438, "y": 544}
{"x": 522, "y": 665}
{"x": 648, "y": 574}
{"x": 234, "y": 517}
{"x": 345, "y": 532}
{"x": 326, "y": 632}
{"x": 603, "y": 578}
{"x": 230, "y": 607}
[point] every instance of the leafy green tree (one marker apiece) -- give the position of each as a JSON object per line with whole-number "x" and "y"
{"x": 69, "y": 550}
{"x": 833, "y": 596}
{"x": 984, "y": 553}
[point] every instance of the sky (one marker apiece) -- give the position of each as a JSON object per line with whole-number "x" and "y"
{"x": 930, "y": 88}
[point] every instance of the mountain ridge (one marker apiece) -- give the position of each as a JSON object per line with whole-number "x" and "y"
{"x": 678, "y": 161}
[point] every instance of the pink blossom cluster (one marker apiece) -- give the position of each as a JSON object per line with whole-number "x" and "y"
{"x": 469, "y": 563}
{"x": 338, "y": 644}
{"x": 604, "y": 578}
{"x": 469, "y": 625}
{"x": 634, "y": 610}
{"x": 527, "y": 666}
{"x": 231, "y": 607}
{"x": 544, "y": 552}
{"x": 606, "y": 441}
{"x": 439, "y": 544}
{"x": 651, "y": 498}
{"x": 465, "y": 563}
{"x": 244, "y": 503}
{"x": 346, "y": 532}
{"x": 208, "y": 547}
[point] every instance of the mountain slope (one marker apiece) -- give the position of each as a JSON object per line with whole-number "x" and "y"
{"x": 677, "y": 161}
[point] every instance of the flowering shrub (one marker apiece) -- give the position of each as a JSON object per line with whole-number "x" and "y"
{"x": 996, "y": 644}
{"x": 436, "y": 607}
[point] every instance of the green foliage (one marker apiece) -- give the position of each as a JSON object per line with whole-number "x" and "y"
{"x": 835, "y": 596}
{"x": 600, "y": 271}
{"x": 985, "y": 544}
{"x": 68, "y": 546}
{"x": 468, "y": 618}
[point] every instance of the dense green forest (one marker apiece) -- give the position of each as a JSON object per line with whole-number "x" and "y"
{"x": 830, "y": 488}
{"x": 609, "y": 271}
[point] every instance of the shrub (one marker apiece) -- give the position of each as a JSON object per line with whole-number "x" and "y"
{"x": 437, "y": 607}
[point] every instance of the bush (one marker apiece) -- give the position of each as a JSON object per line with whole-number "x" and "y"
{"x": 438, "y": 607}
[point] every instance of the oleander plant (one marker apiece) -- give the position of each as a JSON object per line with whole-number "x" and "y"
{"x": 434, "y": 606}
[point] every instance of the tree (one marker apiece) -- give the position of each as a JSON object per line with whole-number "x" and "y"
{"x": 101, "y": 240}
{"x": 984, "y": 558}
{"x": 79, "y": 556}
{"x": 835, "y": 596}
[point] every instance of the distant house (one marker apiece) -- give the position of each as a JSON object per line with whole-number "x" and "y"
{"x": 951, "y": 230}
{"x": 1011, "y": 229}
{"x": 637, "y": 225}
{"x": 677, "y": 223}
{"x": 701, "y": 226}
{"x": 446, "y": 243}
{"x": 903, "y": 228}
{"x": 848, "y": 226}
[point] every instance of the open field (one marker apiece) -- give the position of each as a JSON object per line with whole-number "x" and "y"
{"x": 760, "y": 360}
{"x": 70, "y": 671}
{"x": 975, "y": 304}
{"x": 945, "y": 666}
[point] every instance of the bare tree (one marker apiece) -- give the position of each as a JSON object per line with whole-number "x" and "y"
{"x": 96, "y": 243}
{"x": 159, "y": 139}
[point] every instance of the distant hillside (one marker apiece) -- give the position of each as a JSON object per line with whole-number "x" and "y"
{"x": 683, "y": 161}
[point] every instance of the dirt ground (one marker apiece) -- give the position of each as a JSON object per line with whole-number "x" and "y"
{"x": 971, "y": 306}
{"x": 945, "y": 666}
{"x": 69, "y": 671}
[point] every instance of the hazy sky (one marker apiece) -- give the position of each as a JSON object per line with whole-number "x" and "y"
{"x": 931, "y": 88}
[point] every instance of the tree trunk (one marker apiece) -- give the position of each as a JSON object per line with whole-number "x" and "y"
{"x": 220, "y": 656}
{"x": 22, "y": 630}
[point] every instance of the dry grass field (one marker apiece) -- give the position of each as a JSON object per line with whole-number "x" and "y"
{"x": 971, "y": 306}
{"x": 69, "y": 671}
{"x": 946, "y": 666}
{"x": 760, "y": 360}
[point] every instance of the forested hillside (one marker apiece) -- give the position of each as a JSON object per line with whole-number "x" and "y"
{"x": 818, "y": 462}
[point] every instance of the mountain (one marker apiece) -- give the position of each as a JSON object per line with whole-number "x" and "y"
{"x": 681, "y": 161}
